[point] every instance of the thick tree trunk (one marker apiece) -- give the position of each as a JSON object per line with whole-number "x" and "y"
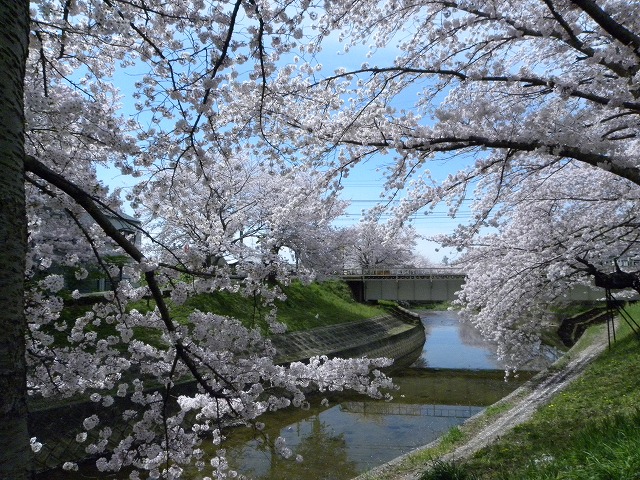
{"x": 15, "y": 452}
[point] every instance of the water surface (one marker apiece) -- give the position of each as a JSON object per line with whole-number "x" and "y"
{"x": 454, "y": 377}
{"x": 353, "y": 435}
{"x": 454, "y": 344}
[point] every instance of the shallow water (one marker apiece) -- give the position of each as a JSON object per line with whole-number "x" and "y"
{"x": 454, "y": 344}
{"x": 454, "y": 377}
{"x": 353, "y": 435}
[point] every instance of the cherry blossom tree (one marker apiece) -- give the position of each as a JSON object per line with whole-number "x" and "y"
{"x": 247, "y": 214}
{"x": 300, "y": 221}
{"x": 553, "y": 231}
{"x": 516, "y": 96}
{"x": 198, "y": 74}
{"x": 376, "y": 245}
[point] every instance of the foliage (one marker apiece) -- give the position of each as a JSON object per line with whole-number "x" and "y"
{"x": 446, "y": 471}
{"x": 246, "y": 212}
{"x": 375, "y": 245}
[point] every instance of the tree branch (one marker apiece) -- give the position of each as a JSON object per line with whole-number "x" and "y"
{"x": 526, "y": 81}
{"x": 449, "y": 144}
{"x": 88, "y": 203}
{"x": 609, "y": 25}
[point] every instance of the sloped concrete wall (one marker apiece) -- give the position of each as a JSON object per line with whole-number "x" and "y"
{"x": 389, "y": 336}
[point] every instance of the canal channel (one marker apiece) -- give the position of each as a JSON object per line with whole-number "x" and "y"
{"x": 451, "y": 377}
{"x": 454, "y": 376}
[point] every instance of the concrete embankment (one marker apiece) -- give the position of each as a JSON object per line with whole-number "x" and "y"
{"x": 391, "y": 336}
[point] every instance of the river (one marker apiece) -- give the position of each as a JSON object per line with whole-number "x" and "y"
{"x": 454, "y": 377}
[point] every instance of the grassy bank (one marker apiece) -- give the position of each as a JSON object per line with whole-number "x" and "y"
{"x": 591, "y": 430}
{"x": 306, "y": 306}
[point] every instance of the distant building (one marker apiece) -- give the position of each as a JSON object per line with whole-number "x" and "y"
{"x": 628, "y": 262}
{"x": 129, "y": 226}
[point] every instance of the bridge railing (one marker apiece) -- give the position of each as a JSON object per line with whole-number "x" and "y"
{"x": 389, "y": 272}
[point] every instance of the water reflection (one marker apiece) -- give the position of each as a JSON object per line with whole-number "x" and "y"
{"x": 346, "y": 439}
{"x": 257, "y": 458}
{"x": 455, "y": 344}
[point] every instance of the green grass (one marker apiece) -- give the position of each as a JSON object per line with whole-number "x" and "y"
{"x": 306, "y": 306}
{"x": 591, "y": 430}
{"x": 607, "y": 449}
{"x": 318, "y": 304}
{"x": 447, "y": 471}
{"x": 453, "y": 437}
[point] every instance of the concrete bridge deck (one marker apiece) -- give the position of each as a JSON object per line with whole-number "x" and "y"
{"x": 438, "y": 284}
{"x": 408, "y": 284}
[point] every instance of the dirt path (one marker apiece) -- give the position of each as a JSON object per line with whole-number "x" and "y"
{"x": 525, "y": 401}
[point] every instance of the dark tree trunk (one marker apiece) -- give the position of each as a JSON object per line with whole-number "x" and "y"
{"x": 15, "y": 452}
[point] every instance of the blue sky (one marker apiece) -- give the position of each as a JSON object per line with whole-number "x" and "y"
{"x": 362, "y": 188}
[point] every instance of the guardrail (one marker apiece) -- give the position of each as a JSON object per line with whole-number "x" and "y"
{"x": 391, "y": 273}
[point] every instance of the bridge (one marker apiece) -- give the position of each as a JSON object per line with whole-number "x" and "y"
{"x": 438, "y": 284}
{"x": 410, "y": 284}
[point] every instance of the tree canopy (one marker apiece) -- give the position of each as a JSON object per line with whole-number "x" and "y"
{"x": 219, "y": 209}
{"x": 534, "y": 106}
